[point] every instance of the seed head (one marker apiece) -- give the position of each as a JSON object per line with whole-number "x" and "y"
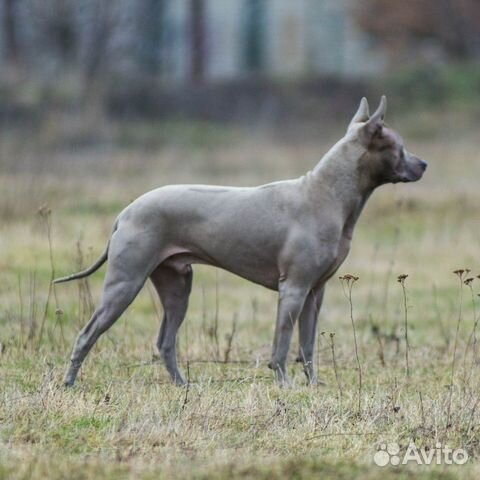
{"x": 349, "y": 278}
{"x": 44, "y": 211}
{"x": 461, "y": 271}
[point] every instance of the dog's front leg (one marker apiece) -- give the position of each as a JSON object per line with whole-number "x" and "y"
{"x": 307, "y": 328}
{"x": 290, "y": 303}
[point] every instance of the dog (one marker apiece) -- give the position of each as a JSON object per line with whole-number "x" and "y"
{"x": 289, "y": 236}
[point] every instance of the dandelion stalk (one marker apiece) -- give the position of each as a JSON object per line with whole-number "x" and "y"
{"x": 335, "y": 368}
{"x": 401, "y": 280}
{"x": 460, "y": 273}
{"x": 473, "y": 334}
{"x": 347, "y": 284}
{"x": 45, "y": 215}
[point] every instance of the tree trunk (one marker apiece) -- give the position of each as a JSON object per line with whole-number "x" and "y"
{"x": 197, "y": 19}
{"x": 10, "y": 34}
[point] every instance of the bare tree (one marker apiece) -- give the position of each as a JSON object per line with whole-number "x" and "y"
{"x": 453, "y": 24}
{"x": 56, "y": 28}
{"x": 197, "y": 26}
{"x": 102, "y": 22}
{"x": 10, "y": 40}
{"x": 151, "y": 24}
{"x": 458, "y": 24}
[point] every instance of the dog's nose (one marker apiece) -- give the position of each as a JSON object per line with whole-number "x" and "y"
{"x": 423, "y": 164}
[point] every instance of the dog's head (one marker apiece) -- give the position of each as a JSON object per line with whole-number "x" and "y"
{"x": 386, "y": 160}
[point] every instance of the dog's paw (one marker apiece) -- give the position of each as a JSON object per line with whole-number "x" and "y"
{"x": 316, "y": 382}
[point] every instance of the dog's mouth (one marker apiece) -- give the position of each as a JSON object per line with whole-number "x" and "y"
{"x": 413, "y": 171}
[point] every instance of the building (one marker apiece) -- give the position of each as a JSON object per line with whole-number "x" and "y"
{"x": 193, "y": 40}
{"x": 225, "y": 39}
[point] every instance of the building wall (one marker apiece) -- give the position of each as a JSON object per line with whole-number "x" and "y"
{"x": 224, "y": 37}
{"x": 176, "y": 46}
{"x": 287, "y": 39}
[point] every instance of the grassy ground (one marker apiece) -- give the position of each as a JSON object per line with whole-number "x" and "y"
{"x": 125, "y": 420}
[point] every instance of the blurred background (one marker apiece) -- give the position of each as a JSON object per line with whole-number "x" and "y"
{"x": 271, "y": 62}
{"x": 101, "y": 100}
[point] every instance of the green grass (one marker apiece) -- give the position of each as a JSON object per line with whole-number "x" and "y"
{"x": 456, "y": 85}
{"x": 125, "y": 420}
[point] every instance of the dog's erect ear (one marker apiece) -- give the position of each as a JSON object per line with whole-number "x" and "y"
{"x": 375, "y": 123}
{"x": 362, "y": 114}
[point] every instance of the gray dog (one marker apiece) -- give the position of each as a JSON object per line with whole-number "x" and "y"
{"x": 289, "y": 236}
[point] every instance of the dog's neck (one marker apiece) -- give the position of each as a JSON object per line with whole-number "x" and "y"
{"x": 338, "y": 173}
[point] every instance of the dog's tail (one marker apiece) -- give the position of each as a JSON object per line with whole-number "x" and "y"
{"x": 93, "y": 268}
{"x": 86, "y": 272}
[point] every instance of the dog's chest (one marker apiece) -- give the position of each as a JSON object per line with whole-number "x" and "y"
{"x": 343, "y": 248}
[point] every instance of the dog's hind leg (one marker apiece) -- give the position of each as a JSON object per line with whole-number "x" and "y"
{"x": 307, "y": 329}
{"x": 127, "y": 271}
{"x": 173, "y": 287}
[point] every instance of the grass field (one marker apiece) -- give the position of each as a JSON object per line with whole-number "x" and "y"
{"x": 125, "y": 420}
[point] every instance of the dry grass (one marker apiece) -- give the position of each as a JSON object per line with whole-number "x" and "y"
{"x": 124, "y": 419}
